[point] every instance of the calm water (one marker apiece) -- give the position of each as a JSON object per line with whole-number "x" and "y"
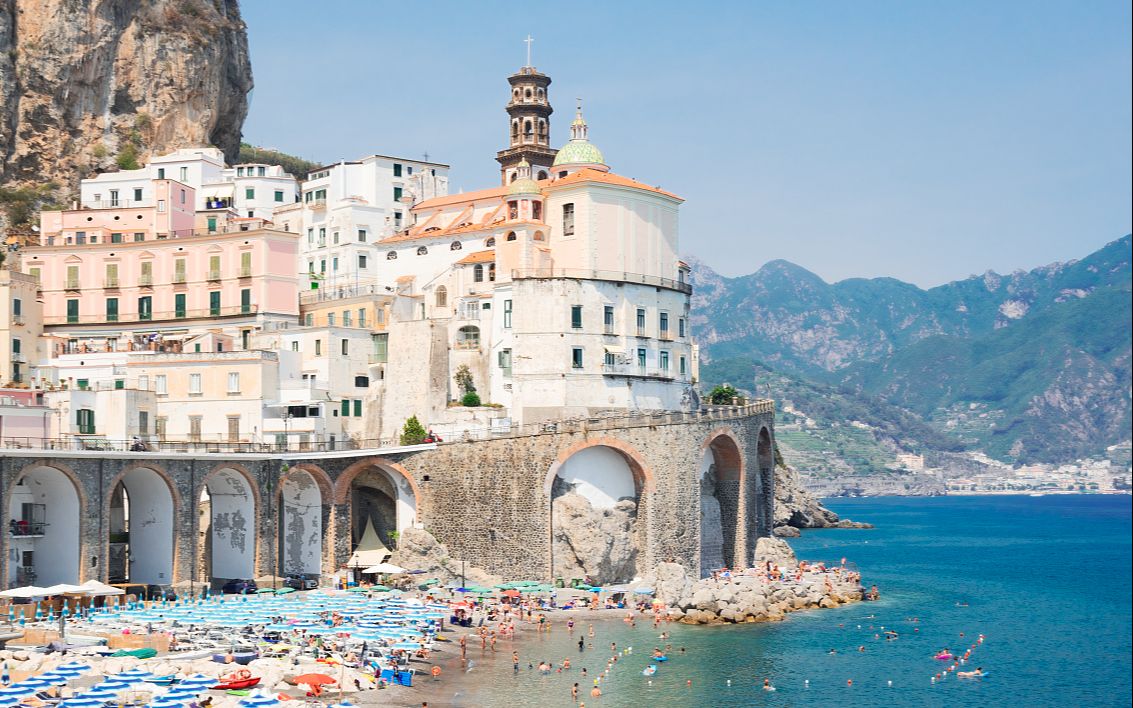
{"x": 1046, "y": 579}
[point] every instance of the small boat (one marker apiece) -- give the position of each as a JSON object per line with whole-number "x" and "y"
{"x": 237, "y": 684}
{"x": 239, "y": 657}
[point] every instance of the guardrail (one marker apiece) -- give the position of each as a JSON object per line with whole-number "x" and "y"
{"x": 131, "y": 317}
{"x": 614, "y": 276}
{"x": 78, "y": 443}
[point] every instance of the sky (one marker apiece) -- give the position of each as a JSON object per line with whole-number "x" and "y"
{"x": 917, "y": 140}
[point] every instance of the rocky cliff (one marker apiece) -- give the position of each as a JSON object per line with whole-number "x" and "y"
{"x": 87, "y": 84}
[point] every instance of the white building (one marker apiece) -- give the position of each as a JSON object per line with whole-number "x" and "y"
{"x": 347, "y": 207}
{"x": 251, "y": 190}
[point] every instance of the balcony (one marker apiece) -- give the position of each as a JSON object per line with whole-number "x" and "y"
{"x": 110, "y": 283}
{"x": 135, "y": 317}
{"x": 18, "y": 358}
{"x": 179, "y": 279}
{"x": 145, "y": 281}
{"x": 23, "y": 528}
{"x": 214, "y": 275}
{"x": 72, "y": 284}
{"x": 246, "y": 272}
{"x": 612, "y": 276}
{"x": 316, "y": 204}
{"x": 637, "y": 371}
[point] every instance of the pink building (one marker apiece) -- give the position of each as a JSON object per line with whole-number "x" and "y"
{"x": 171, "y": 214}
{"x": 24, "y": 419}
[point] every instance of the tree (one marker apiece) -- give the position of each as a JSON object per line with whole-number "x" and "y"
{"x": 723, "y": 394}
{"x": 463, "y": 378}
{"x": 413, "y": 433}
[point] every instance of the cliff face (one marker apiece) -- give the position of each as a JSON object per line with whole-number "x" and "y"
{"x": 88, "y": 83}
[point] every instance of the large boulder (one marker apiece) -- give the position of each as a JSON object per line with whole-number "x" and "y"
{"x": 670, "y": 583}
{"x": 417, "y": 549}
{"x": 775, "y": 550}
{"x": 594, "y": 542}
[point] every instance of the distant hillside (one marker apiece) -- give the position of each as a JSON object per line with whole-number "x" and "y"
{"x": 296, "y": 166}
{"x": 1033, "y": 366}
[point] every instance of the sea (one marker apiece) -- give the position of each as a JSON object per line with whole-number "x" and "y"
{"x": 1045, "y": 581}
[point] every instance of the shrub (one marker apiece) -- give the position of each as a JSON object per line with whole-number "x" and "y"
{"x": 128, "y": 157}
{"x": 413, "y": 433}
{"x": 722, "y": 394}
{"x": 470, "y": 399}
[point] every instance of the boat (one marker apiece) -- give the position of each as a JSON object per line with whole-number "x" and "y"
{"x": 237, "y": 684}
{"x": 239, "y": 657}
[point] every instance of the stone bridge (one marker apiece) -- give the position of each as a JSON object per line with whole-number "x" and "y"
{"x": 695, "y": 488}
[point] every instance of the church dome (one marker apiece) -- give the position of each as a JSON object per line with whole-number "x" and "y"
{"x": 579, "y": 151}
{"x": 523, "y": 184}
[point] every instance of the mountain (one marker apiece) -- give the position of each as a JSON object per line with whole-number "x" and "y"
{"x": 1029, "y": 367}
{"x": 89, "y": 84}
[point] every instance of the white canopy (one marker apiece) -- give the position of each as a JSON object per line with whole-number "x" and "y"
{"x": 28, "y": 591}
{"x": 65, "y": 589}
{"x": 384, "y": 568}
{"x": 97, "y": 589}
{"x": 369, "y": 551}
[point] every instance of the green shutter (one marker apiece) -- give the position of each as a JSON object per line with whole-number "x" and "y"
{"x": 179, "y": 305}
{"x": 345, "y": 407}
{"x": 358, "y": 408}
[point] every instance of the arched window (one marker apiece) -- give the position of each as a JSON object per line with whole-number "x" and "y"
{"x": 515, "y": 128}
{"x": 492, "y": 272}
{"x": 478, "y": 273}
{"x": 542, "y": 174}
{"x": 422, "y": 250}
{"x": 490, "y": 242}
{"x": 539, "y": 236}
{"x": 541, "y": 94}
{"x": 514, "y": 177}
{"x": 512, "y": 211}
{"x": 511, "y": 236}
{"x": 468, "y": 337}
{"x": 442, "y": 296}
{"x": 391, "y": 256}
{"x": 527, "y": 95}
{"x": 455, "y": 246}
{"x": 528, "y": 129}
{"x": 536, "y": 211}
{"x": 515, "y": 93}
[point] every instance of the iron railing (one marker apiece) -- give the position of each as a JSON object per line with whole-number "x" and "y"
{"x": 125, "y": 317}
{"x": 614, "y": 276}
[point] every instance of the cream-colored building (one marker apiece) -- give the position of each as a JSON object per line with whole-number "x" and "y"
{"x": 21, "y": 325}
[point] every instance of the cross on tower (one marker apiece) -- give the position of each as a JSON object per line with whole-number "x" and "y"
{"x": 528, "y": 42}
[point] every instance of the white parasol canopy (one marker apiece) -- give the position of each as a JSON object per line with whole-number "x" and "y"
{"x": 96, "y": 589}
{"x": 27, "y": 591}
{"x": 65, "y": 589}
{"x": 384, "y": 568}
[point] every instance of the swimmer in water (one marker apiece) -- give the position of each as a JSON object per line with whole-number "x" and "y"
{"x": 767, "y": 685}
{"x": 832, "y": 652}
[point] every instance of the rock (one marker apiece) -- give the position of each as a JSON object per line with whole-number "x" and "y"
{"x": 775, "y": 550}
{"x": 417, "y": 549}
{"x": 847, "y": 524}
{"x": 77, "y": 76}
{"x": 785, "y": 531}
{"x": 599, "y": 543}
{"x": 670, "y": 583}
{"x": 827, "y": 602}
{"x": 794, "y": 506}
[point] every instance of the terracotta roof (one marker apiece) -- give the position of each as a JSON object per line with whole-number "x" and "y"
{"x": 493, "y": 193}
{"x": 589, "y": 175}
{"x": 406, "y": 278}
{"x": 478, "y": 257}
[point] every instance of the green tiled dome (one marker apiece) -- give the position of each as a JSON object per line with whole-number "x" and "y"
{"x": 523, "y": 185}
{"x": 579, "y": 152}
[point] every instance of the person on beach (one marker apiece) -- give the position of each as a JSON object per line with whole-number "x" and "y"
{"x": 515, "y": 662}
{"x": 595, "y": 692}
{"x": 581, "y": 643}
{"x": 574, "y": 692}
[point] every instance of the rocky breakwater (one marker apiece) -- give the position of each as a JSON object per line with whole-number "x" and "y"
{"x": 779, "y": 585}
{"x": 796, "y": 508}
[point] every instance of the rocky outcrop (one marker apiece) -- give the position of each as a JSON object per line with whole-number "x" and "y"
{"x": 669, "y": 581}
{"x": 594, "y": 543}
{"x": 796, "y": 508}
{"x": 83, "y": 81}
{"x": 882, "y": 484}
{"x": 417, "y": 549}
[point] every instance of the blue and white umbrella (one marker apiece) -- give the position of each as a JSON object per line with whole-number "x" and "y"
{"x": 19, "y": 690}
{"x": 82, "y": 702}
{"x": 259, "y": 701}
{"x": 166, "y": 703}
{"x": 198, "y": 680}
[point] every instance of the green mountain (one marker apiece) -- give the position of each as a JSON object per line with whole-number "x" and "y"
{"x": 1029, "y": 367}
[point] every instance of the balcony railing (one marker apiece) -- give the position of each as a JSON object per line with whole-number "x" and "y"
{"x": 233, "y": 311}
{"x": 179, "y": 279}
{"x": 613, "y": 276}
{"x": 110, "y": 283}
{"x": 24, "y": 528}
{"x": 145, "y": 281}
{"x": 72, "y": 284}
{"x": 316, "y": 204}
{"x": 214, "y": 275}
{"x": 638, "y": 371}
{"x": 117, "y": 203}
{"x": 245, "y": 271}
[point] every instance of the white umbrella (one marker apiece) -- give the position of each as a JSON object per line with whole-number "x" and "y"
{"x": 65, "y": 589}
{"x": 24, "y": 592}
{"x": 97, "y": 589}
{"x": 384, "y": 568}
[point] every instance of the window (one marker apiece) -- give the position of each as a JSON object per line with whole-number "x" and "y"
{"x": 641, "y": 359}
{"x": 143, "y": 382}
{"x": 309, "y": 320}
{"x": 114, "y": 197}
{"x": 381, "y": 348}
{"x": 111, "y": 280}
{"x": 261, "y": 171}
{"x": 334, "y": 237}
{"x": 249, "y": 193}
{"x": 279, "y": 195}
{"x": 139, "y": 236}
{"x": 362, "y": 235}
{"x": 72, "y": 311}
{"x": 84, "y": 418}
{"x": 16, "y": 345}
{"x": 143, "y": 422}
{"x": 295, "y": 346}
{"x": 345, "y": 347}
{"x": 681, "y": 327}
{"x": 318, "y": 347}
{"x": 468, "y": 337}
{"x": 214, "y": 268}
{"x": 35, "y": 273}
{"x": 683, "y": 366}
{"x": 233, "y": 428}
{"x": 195, "y": 384}
{"x": 391, "y": 256}
{"x": 396, "y": 170}
{"x": 361, "y": 381}
{"x": 422, "y": 250}
{"x": 610, "y": 359}
{"x": 179, "y": 305}
{"x": 184, "y": 174}
{"x": 146, "y": 277}
{"x": 478, "y": 273}
{"x": 161, "y": 206}
{"x": 322, "y": 236}
{"x": 72, "y": 277}
{"x": 576, "y": 357}
{"x": 160, "y": 385}
{"x": 179, "y": 270}
{"x": 507, "y": 314}
{"x": 663, "y": 324}
{"x": 115, "y": 238}
{"x": 455, "y": 246}
{"x": 576, "y": 316}
{"x": 347, "y": 318}
{"x": 608, "y": 318}
{"x": 245, "y": 301}
{"x": 159, "y": 427}
{"x": 357, "y": 408}
{"x": 505, "y": 362}
{"x": 161, "y": 173}
{"x": 111, "y": 309}
{"x": 137, "y": 194}
{"x": 490, "y": 242}
{"x": 145, "y": 308}
{"x": 195, "y": 428}
{"x": 361, "y": 261}
{"x": 214, "y": 303}
{"x": 441, "y": 296}
{"x": 17, "y": 307}
{"x": 663, "y": 360}
{"x": 246, "y": 264}
{"x": 397, "y": 194}
{"x": 345, "y": 408}
{"x": 234, "y": 382}
{"x": 568, "y": 219}
{"x": 640, "y": 322}
{"x": 361, "y": 317}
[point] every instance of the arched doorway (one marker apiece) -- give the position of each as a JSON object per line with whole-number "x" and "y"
{"x": 764, "y": 488}
{"x": 300, "y": 524}
{"x": 382, "y": 503}
{"x": 141, "y": 529}
{"x": 227, "y": 526}
{"x": 44, "y": 522}
{"x": 595, "y": 531}
{"x": 720, "y": 473}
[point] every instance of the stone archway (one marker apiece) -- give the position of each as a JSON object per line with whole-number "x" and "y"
{"x": 141, "y": 527}
{"x": 721, "y": 480}
{"x": 227, "y": 526}
{"x": 301, "y": 521}
{"x": 45, "y": 511}
{"x": 379, "y": 495}
{"x": 597, "y": 513}
{"x": 764, "y": 503}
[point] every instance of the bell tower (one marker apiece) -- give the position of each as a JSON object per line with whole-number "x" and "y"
{"x": 529, "y": 124}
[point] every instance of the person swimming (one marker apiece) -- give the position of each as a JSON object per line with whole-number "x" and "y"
{"x": 971, "y": 674}
{"x": 767, "y": 685}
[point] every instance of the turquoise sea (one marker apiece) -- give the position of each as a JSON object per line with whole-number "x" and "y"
{"x": 1045, "y": 579}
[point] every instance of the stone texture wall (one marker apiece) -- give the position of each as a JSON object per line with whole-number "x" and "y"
{"x": 488, "y": 501}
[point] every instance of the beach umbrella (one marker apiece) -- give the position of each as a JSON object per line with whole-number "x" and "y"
{"x": 257, "y": 701}
{"x": 73, "y": 666}
{"x": 643, "y": 591}
{"x": 165, "y": 702}
{"x": 5, "y": 678}
{"x": 9, "y": 702}
{"x": 19, "y": 690}
{"x": 82, "y": 702}
{"x": 284, "y": 591}
{"x": 198, "y": 680}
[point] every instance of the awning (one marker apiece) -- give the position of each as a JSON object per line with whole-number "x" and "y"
{"x": 25, "y": 592}
{"x": 614, "y": 348}
{"x": 288, "y": 404}
{"x": 97, "y": 589}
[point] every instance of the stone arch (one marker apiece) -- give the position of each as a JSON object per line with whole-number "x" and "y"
{"x": 378, "y": 492}
{"x": 302, "y": 501}
{"x": 141, "y": 511}
{"x": 44, "y": 514}
{"x": 721, "y": 481}
{"x": 598, "y": 490}
{"x": 761, "y": 518}
{"x": 227, "y": 522}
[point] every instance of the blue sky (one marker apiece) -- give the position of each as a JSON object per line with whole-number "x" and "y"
{"x": 923, "y": 141}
